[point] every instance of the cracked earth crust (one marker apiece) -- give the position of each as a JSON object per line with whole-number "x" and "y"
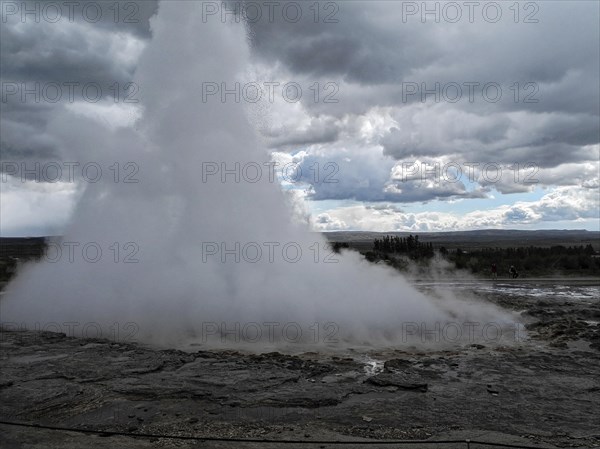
{"x": 544, "y": 391}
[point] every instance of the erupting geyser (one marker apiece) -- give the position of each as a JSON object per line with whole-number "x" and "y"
{"x": 180, "y": 288}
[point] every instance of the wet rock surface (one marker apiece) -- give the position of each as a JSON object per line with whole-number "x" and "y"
{"x": 561, "y": 320}
{"x": 544, "y": 390}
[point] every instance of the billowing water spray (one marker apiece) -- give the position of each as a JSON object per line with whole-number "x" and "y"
{"x": 176, "y": 224}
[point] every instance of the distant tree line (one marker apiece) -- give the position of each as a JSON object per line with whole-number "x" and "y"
{"x": 531, "y": 260}
{"x": 338, "y": 246}
{"x": 528, "y": 260}
{"x": 411, "y": 246}
{"x": 14, "y": 251}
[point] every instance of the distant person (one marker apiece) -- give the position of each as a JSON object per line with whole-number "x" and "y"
{"x": 513, "y": 272}
{"x": 494, "y": 271}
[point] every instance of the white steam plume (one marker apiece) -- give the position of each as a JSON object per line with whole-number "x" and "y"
{"x": 175, "y": 289}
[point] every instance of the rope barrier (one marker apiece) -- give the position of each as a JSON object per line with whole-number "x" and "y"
{"x": 109, "y": 433}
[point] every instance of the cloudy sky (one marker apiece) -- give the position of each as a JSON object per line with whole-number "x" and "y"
{"x": 393, "y": 115}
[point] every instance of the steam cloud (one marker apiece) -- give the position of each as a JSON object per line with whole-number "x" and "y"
{"x": 172, "y": 291}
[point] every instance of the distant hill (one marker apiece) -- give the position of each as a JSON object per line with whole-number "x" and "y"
{"x": 15, "y": 250}
{"x": 478, "y": 239}
{"x": 33, "y": 246}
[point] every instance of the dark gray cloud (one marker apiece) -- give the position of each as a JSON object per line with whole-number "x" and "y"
{"x": 316, "y": 131}
{"x": 361, "y": 46}
{"x": 547, "y": 72}
{"x": 546, "y": 139}
{"x": 548, "y": 113}
{"x": 51, "y": 61}
{"x": 371, "y": 45}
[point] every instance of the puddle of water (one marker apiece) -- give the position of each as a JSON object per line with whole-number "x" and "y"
{"x": 549, "y": 291}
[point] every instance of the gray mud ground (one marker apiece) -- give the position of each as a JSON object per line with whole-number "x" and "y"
{"x": 543, "y": 391}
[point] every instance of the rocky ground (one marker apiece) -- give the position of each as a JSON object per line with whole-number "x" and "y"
{"x": 542, "y": 392}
